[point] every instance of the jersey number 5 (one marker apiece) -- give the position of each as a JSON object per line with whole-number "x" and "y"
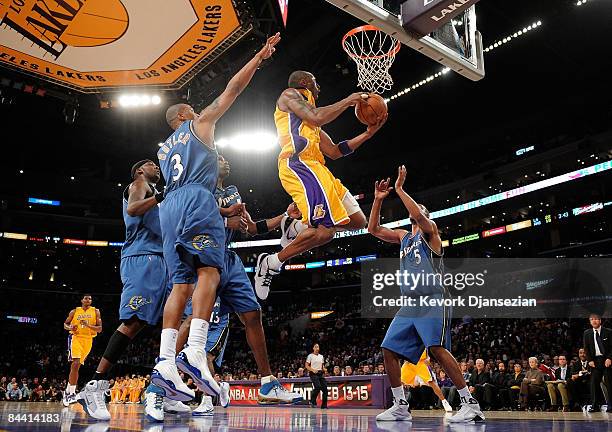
{"x": 177, "y": 166}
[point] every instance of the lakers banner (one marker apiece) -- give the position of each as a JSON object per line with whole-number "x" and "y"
{"x": 95, "y": 45}
{"x": 346, "y": 392}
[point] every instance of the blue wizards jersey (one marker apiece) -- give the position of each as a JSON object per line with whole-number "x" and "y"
{"x": 216, "y": 319}
{"x": 142, "y": 233}
{"x": 227, "y": 197}
{"x": 185, "y": 160}
{"x": 423, "y": 265}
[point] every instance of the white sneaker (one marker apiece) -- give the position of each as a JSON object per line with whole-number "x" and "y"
{"x": 469, "y": 412}
{"x": 69, "y": 398}
{"x": 224, "y": 395}
{"x": 205, "y": 408}
{"x": 193, "y": 362}
{"x": 92, "y": 398}
{"x": 166, "y": 376}
{"x": 290, "y": 228}
{"x": 447, "y": 406}
{"x": 263, "y": 276}
{"x": 175, "y": 407}
{"x": 398, "y": 412}
{"x": 274, "y": 393}
{"x": 154, "y": 406}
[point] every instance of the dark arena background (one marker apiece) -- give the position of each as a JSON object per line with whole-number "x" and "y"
{"x": 504, "y": 128}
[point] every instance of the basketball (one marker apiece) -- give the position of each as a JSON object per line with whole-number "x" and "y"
{"x": 97, "y": 23}
{"x": 370, "y": 110}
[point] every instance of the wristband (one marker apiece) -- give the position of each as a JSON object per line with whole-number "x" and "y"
{"x": 159, "y": 197}
{"x": 262, "y": 227}
{"x": 344, "y": 148}
{"x": 225, "y": 222}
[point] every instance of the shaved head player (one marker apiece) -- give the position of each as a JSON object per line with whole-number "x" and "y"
{"x": 193, "y": 232}
{"x": 324, "y": 202}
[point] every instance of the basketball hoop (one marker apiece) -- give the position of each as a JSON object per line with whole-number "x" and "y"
{"x": 374, "y": 52}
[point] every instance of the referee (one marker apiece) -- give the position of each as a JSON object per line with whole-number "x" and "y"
{"x": 314, "y": 365}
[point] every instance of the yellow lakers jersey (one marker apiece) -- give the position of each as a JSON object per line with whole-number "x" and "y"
{"x": 89, "y": 316}
{"x": 295, "y": 136}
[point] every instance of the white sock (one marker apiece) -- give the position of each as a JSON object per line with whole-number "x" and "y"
{"x": 266, "y": 379}
{"x": 70, "y": 389}
{"x": 398, "y": 394}
{"x": 167, "y": 346}
{"x": 198, "y": 333}
{"x": 273, "y": 262}
{"x": 464, "y": 394}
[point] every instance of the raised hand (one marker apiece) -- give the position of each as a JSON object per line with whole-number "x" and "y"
{"x": 401, "y": 177}
{"x": 382, "y": 189}
{"x": 268, "y": 49}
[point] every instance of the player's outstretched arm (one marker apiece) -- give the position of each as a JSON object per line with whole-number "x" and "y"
{"x": 292, "y": 101}
{"x": 345, "y": 148}
{"x": 416, "y": 213}
{"x": 141, "y": 198}
{"x": 238, "y": 83}
{"x": 266, "y": 225}
{"x": 381, "y": 191}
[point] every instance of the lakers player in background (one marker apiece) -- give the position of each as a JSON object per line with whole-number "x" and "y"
{"x": 84, "y": 323}
{"x": 324, "y": 202}
{"x": 416, "y": 329}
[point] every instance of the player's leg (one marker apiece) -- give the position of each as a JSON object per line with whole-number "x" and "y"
{"x": 192, "y": 360}
{"x": 70, "y": 395}
{"x": 438, "y": 392}
{"x": 470, "y": 409}
{"x": 401, "y": 340}
{"x": 237, "y": 295}
{"x": 313, "y": 189}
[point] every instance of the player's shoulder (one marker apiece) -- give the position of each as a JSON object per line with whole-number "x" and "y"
{"x": 231, "y": 189}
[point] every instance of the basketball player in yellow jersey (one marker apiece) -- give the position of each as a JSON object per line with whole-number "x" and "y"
{"x": 325, "y": 204}
{"x": 421, "y": 374}
{"x": 83, "y": 323}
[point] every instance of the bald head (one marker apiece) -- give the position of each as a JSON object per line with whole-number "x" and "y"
{"x": 177, "y": 113}
{"x": 299, "y": 79}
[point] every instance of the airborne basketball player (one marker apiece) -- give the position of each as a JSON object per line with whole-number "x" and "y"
{"x": 84, "y": 323}
{"x": 324, "y": 202}
{"x": 413, "y": 330}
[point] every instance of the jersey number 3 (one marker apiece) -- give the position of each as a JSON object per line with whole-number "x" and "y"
{"x": 177, "y": 166}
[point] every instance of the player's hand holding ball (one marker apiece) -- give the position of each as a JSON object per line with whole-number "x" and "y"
{"x": 382, "y": 189}
{"x": 356, "y": 98}
{"x": 268, "y": 49}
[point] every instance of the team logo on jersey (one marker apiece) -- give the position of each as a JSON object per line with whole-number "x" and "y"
{"x": 202, "y": 241}
{"x": 136, "y": 302}
{"x": 318, "y": 212}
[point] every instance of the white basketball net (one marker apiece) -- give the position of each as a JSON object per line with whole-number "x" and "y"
{"x": 374, "y": 52}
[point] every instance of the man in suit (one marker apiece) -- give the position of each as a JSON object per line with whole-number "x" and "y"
{"x": 598, "y": 347}
{"x": 500, "y": 381}
{"x": 580, "y": 383}
{"x": 480, "y": 385}
{"x": 559, "y": 386}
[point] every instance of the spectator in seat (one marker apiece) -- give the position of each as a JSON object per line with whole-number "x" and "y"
{"x": 445, "y": 384}
{"x": 26, "y": 393}
{"x": 500, "y": 381}
{"x": 337, "y": 371}
{"x": 532, "y": 386}
{"x": 13, "y": 393}
{"x": 579, "y": 386}
{"x": 510, "y": 393}
{"x": 480, "y": 385}
{"x": 559, "y": 386}
{"x": 598, "y": 346}
{"x": 348, "y": 371}
{"x": 380, "y": 370}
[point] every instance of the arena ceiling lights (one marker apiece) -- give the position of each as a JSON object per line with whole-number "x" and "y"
{"x": 255, "y": 141}
{"x": 101, "y": 45}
